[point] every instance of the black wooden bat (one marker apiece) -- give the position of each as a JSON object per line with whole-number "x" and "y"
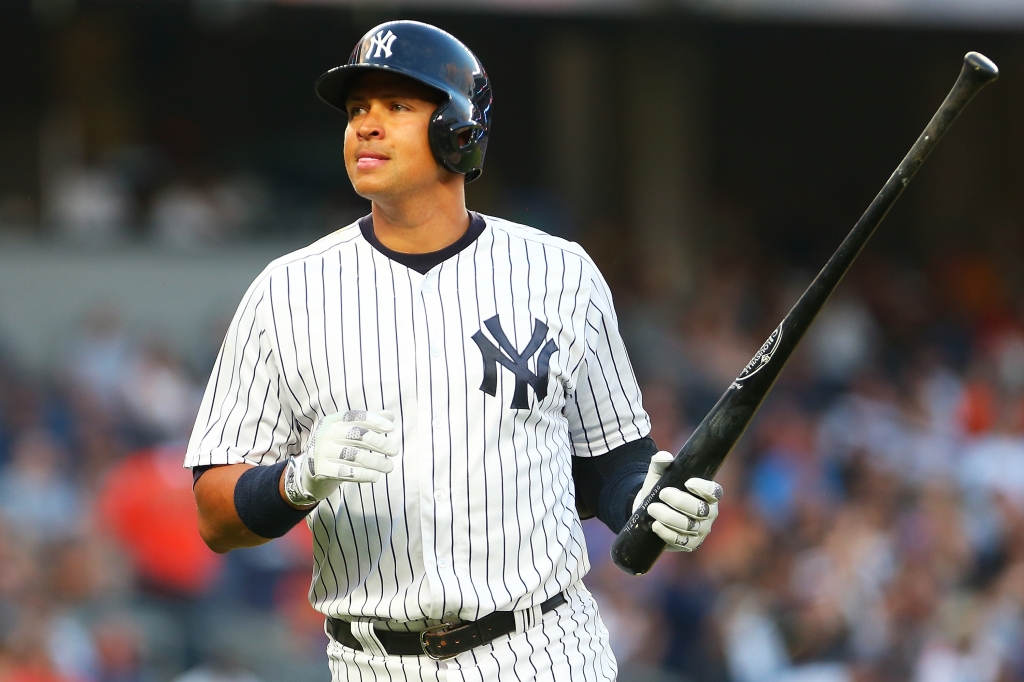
{"x": 637, "y": 547}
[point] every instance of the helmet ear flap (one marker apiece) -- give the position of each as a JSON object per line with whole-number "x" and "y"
{"x": 458, "y": 156}
{"x": 472, "y": 132}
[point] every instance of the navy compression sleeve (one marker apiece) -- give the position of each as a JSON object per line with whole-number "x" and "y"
{"x": 607, "y": 484}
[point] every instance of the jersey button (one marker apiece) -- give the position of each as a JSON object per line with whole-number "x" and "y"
{"x": 440, "y": 494}
{"x": 428, "y": 285}
{"x": 442, "y": 563}
{"x": 435, "y": 351}
{"x": 437, "y": 422}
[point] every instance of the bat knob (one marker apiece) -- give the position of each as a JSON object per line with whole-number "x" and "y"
{"x": 982, "y": 65}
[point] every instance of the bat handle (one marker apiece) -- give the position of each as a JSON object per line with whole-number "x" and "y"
{"x": 637, "y": 546}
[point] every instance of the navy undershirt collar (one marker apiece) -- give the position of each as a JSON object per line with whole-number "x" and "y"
{"x": 423, "y": 262}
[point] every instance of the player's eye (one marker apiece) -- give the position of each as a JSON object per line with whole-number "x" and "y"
{"x": 356, "y": 110}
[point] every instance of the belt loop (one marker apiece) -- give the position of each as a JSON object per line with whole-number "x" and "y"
{"x": 527, "y": 618}
{"x": 363, "y": 631}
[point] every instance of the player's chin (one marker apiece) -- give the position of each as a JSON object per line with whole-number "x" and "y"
{"x": 372, "y": 184}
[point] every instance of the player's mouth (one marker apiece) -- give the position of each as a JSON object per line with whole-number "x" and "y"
{"x": 369, "y": 160}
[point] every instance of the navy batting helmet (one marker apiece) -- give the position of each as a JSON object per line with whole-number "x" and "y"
{"x": 438, "y": 60}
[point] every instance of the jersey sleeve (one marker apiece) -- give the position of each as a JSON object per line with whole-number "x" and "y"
{"x": 242, "y": 417}
{"x": 604, "y": 410}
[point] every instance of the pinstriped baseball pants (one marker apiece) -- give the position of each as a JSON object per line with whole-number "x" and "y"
{"x": 567, "y": 643}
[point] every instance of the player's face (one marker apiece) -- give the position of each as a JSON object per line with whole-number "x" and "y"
{"x": 386, "y": 149}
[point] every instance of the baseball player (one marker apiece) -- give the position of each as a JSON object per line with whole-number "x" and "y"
{"x": 440, "y": 395}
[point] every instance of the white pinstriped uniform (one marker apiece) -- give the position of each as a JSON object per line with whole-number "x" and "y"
{"x": 479, "y": 514}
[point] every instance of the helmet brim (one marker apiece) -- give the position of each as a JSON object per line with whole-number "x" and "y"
{"x": 333, "y": 87}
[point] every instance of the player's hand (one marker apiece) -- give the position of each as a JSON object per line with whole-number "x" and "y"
{"x": 351, "y": 446}
{"x": 681, "y": 519}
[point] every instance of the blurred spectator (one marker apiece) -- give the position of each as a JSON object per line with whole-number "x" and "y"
{"x": 37, "y": 497}
{"x": 662, "y": 403}
{"x": 74, "y": 582}
{"x": 787, "y": 471}
{"x": 90, "y": 205}
{"x": 634, "y": 622}
{"x": 188, "y": 214}
{"x": 994, "y": 462}
{"x": 97, "y": 357}
{"x": 185, "y": 216}
{"x": 29, "y": 660}
{"x": 159, "y": 394}
{"x": 121, "y": 652}
{"x": 146, "y": 503}
{"x": 843, "y": 339}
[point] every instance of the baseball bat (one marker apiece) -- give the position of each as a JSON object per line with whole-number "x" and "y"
{"x": 637, "y": 547}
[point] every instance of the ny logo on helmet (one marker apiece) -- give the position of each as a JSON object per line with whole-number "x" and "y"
{"x": 381, "y": 41}
{"x": 515, "y": 361}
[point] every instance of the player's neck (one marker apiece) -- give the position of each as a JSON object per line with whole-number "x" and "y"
{"x": 421, "y": 224}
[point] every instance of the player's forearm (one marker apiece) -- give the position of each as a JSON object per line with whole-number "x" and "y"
{"x": 219, "y": 523}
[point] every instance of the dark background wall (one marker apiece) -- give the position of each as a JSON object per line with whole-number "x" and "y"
{"x": 797, "y": 125}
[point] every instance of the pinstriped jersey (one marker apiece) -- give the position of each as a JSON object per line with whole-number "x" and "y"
{"x": 500, "y": 363}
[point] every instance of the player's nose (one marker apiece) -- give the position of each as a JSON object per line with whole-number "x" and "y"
{"x": 371, "y": 124}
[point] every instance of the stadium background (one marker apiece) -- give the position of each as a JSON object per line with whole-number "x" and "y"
{"x": 154, "y": 155}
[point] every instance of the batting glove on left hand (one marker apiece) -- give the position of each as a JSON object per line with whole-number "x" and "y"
{"x": 681, "y": 519}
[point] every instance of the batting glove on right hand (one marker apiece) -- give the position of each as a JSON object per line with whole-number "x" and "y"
{"x": 349, "y": 446}
{"x": 682, "y": 518}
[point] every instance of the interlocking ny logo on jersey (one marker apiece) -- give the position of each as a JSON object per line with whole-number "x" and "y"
{"x": 515, "y": 361}
{"x": 381, "y": 41}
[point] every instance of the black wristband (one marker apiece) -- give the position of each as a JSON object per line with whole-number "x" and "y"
{"x": 259, "y": 503}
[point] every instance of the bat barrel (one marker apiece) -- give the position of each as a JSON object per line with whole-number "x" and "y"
{"x": 637, "y": 547}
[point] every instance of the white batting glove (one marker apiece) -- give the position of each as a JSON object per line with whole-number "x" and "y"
{"x": 681, "y": 519}
{"x": 351, "y": 446}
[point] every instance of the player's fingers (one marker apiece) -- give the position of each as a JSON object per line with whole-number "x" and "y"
{"x": 380, "y": 443}
{"x": 365, "y": 459}
{"x": 660, "y": 462}
{"x": 359, "y": 437}
{"x": 709, "y": 491}
{"x": 343, "y": 470}
{"x": 688, "y": 504}
{"x": 381, "y": 422}
{"x": 674, "y": 542}
{"x": 669, "y": 517}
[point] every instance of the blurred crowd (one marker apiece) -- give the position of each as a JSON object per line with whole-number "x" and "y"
{"x": 97, "y": 205}
{"x": 873, "y": 525}
{"x": 103, "y": 576}
{"x": 169, "y": 193}
{"x": 872, "y": 530}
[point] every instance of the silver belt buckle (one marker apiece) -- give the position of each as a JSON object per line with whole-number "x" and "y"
{"x": 443, "y": 627}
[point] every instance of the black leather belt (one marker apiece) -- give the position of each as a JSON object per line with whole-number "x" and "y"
{"x": 440, "y": 641}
